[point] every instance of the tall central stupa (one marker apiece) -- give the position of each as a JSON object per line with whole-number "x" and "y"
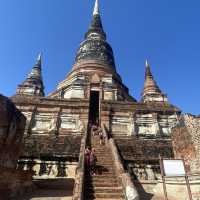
{"x": 94, "y": 71}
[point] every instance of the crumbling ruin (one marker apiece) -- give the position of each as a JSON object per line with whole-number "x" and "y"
{"x": 13, "y": 182}
{"x": 186, "y": 141}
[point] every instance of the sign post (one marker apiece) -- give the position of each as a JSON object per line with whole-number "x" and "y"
{"x": 174, "y": 168}
{"x": 187, "y": 183}
{"x": 163, "y": 178}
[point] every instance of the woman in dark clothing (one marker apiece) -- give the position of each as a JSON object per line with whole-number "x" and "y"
{"x": 87, "y": 158}
{"x": 100, "y": 137}
{"x": 93, "y": 160}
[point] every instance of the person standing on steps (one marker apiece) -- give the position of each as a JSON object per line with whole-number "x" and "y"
{"x": 93, "y": 160}
{"x": 101, "y": 138}
{"x": 87, "y": 158}
{"x": 94, "y": 129}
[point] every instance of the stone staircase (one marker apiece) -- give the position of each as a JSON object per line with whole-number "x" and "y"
{"x": 104, "y": 185}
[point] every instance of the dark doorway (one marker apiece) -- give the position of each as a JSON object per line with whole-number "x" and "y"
{"x": 94, "y": 107}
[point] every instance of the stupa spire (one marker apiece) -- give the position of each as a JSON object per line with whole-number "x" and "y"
{"x": 147, "y": 63}
{"x": 96, "y": 8}
{"x": 39, "y": 59}
{"x": 148, "y": 74}
{"x": 33, "y": 85}
{"x": 151, "y": 91}
{"x": 95, "y": 47}
{"x": 96, "y": 27}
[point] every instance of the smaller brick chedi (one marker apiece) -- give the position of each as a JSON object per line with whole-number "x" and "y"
{"x": 151, "y": 90}
{"x": 33, "y": 85}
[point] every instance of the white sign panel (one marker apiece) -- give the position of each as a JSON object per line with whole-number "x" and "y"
{"x": 174, "y": 168}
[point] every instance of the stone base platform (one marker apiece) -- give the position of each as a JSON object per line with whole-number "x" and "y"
{"x": 42, "y": 194}
{"x": 52, "y": 189}
{"x": 176, "y": 189}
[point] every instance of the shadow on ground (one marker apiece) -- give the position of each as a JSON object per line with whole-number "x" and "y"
{"x": 142, "y": 193}
{"x": 58, "y": 189}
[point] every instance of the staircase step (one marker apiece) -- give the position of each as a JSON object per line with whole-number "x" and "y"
{"x": 104, "y": 195}
{"x": 105, "y": 198}
{"x": 104, "y": 164}
{"x": 105, "y": 190}
{"x": 103, "y": 184}
{"x": 102, "y": 181}
{"x": 103, "y": 177}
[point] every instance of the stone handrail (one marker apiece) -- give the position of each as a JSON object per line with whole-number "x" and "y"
{"x": 127, "y": 184}
{"x": 78, "y": 193}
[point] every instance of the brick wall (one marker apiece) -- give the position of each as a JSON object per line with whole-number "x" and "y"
{"x": 186, "y": 141}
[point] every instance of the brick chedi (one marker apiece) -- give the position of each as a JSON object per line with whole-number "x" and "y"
{"x": 33, "y": 85}
{"x": 151, "y": 90}
{"x": 58, "y": 126}
{"x": 94, "y": 68}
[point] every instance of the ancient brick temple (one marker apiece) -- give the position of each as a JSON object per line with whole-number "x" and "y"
{"x": 58, "y": 125}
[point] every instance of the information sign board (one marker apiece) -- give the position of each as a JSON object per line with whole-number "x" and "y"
{"x": 174, "y": 167}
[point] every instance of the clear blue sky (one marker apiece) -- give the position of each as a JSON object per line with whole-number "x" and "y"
{"x": 167, "y": 32}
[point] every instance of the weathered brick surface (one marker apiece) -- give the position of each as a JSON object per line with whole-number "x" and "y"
{"x": 186, "y": 141}
{"x": 12, "y": 123}
{"x": 141, "y": 156}
{"x": 52, "y": 146}
{"x": 134, "y": 149}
